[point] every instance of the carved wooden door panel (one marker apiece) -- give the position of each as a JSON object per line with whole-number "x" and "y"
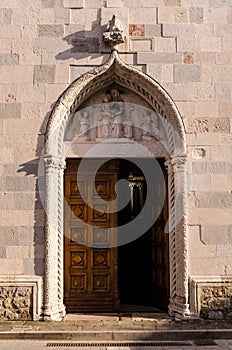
{"x": 160, "y": 252}
{"x": 90, "y": 267}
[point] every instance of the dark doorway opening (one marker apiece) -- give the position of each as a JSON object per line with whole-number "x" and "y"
{"x": 143, "y": 264}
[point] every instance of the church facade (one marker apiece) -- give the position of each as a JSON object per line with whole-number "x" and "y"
{"x": 116, "y": 159}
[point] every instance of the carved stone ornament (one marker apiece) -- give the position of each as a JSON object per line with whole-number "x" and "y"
{"x": 114, "y": 34}
{"x": 117, "y": 74}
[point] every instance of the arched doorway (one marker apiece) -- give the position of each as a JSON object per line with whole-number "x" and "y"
{"x": 137, "y": 83}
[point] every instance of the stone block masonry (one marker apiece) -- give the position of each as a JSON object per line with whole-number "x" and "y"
{"x": 186, "y": 46}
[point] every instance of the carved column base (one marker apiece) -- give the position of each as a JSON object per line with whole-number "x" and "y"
{"x": 179, "y": 311}
{"x": 62, "y": 309}
{"x": 54, "y": 314}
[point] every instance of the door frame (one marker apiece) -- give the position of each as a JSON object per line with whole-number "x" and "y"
{"x": 54, "y": 162}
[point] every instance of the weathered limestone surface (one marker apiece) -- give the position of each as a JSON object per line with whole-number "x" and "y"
{"x": 216, "y": 302}
{"x": 15, "y": 303}
{"x": 185, "y": 45}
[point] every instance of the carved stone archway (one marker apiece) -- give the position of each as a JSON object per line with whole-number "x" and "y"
{"x": 114, "y": 70}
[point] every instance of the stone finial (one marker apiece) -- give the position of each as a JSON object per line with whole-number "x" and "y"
{"x": 114, "y": 34}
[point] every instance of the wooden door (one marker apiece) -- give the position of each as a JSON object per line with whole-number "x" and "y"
{"x": 90, "y": 272}
{"x": 160, "y": 249}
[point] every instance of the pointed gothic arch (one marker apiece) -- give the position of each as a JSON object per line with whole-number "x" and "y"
{"x": 114, "y": 70}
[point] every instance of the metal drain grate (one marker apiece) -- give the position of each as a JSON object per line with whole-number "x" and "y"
{"x": 118, "y": 344}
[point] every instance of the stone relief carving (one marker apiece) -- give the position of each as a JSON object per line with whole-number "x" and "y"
{"x": 114, "y": 117}
{"x": 114, "y": 34}
{"x": 15, "y": 303}
{"x": 84, "y": 125}
{"x": 104, "y": 123}
{"x": 211, "y": 297}
{"x": 114, "y": 71}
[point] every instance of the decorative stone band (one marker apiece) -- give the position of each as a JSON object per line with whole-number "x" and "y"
{"x": 211, "y": 297}
{"x": 21, "y": 298}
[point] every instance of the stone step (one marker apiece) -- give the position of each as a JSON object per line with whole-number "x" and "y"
{"x": 117, "y": 335}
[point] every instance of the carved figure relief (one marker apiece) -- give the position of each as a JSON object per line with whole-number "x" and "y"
{"x": 117, "y": 118}
{"x": 84, "y": 125}
{"x": 114, "y": 113}
{"x": 104, "y": 122}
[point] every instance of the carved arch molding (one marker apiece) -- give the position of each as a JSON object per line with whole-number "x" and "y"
{"x": 117, "y": 72}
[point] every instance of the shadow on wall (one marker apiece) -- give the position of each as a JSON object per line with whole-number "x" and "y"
{"x": 84, "y": 43}
{"x": 31, "y": 168}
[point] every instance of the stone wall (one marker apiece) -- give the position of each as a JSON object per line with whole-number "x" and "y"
{"x": 186, "y": 45}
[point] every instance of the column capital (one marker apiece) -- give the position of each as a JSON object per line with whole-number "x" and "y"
{"x": 179, "y": 163}
{"x": 169, "y": 166}
{"x": 54, "y": 162}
